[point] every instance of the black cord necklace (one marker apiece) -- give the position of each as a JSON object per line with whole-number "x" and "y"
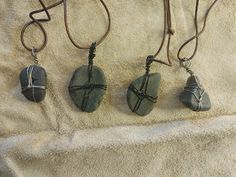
{"x": 88, "y": 83}
{"x": 194, "y": 95}
{"x": 142, "y": 92}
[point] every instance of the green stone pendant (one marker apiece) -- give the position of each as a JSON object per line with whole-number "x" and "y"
{"x": 87, "y": 93}
{"x": 194, "y": 96}
{"x": 142, "y": 93}
{"x": 88, "y": 84}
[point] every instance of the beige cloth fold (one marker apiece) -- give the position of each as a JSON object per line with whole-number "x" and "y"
{"x": 181, "y": 148}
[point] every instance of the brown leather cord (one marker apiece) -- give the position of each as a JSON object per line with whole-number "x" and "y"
{"x": 167, "y": 31}
{"x": 68, "y": 31}
{"x": 37, "y": 21}
{"x": 198, "y": 33}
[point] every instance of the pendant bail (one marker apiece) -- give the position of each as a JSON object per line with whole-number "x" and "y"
{"x": 149, "y": 61}
{"x": 91, "y": 56}
{"x": 186, "y": 64}
{"x": 34, "y": 54}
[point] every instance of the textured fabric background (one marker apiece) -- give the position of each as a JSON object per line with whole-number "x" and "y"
{"x": 181, "y": 148}
{"x": 27, "y": 130}
{"x": 136, "y": 32}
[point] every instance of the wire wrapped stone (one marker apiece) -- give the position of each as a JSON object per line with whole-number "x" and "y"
{"x": 194, "y": 96}
{"x": 33, "y": 81}
{"x": 87, "y": 87}
{"x": 142, "y": 93}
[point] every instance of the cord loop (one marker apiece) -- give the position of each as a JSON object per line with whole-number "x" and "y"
{"x": 38, "y": 23}
{"x": 68, "y": 30}
{"x": 197, "y": 34}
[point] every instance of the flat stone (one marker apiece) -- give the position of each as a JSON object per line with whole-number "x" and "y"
{"x": 142, "y": 102}
{"x": 194, "y": 96}
{"x": 87, "y": 94}
{"x": 33, "y": 81}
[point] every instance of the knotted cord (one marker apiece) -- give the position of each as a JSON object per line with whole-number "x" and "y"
{"x": 168, "y": 31}
{"x": 88, "y": 87}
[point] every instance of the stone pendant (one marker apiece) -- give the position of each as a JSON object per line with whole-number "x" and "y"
{"x": 194, "y": 96}
{"x": 87, "y": 90}
{"x": 142, "y": 93}
{"x": 33, "y": 81}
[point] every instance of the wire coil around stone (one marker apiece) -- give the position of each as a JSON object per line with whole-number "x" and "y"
{"x": 142, "y": 92}
{"x": 200, "y": 91}
{"x": 88, "y": 86}
{"x": 33, "y": 81}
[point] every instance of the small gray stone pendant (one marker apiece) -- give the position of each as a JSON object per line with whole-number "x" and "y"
{"x": 142, "y": 92}
{"x": 194, "y": 96}
{"x": 88, "y": 84}
{"x": 33, "y": 81}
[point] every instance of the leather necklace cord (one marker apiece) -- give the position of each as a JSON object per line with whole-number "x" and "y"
{"x": 38, "y": 23}
{"x": 68, "y": 30}
{"x": 198, "y": 33}
{"x": 168, "y": 31}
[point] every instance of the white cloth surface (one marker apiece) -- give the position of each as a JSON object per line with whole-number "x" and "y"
{"x": 181, "y": 148}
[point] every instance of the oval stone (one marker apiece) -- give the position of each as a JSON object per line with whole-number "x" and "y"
{"x": 87, "y": 92}
{"x": 33, "y": 81}
{"x": 194, "y": 96}
{"x": 140, "y": 101}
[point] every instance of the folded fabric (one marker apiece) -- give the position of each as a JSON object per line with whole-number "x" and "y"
{"x": 181, "y": 148}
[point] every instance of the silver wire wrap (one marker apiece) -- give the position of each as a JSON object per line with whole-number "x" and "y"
{"x": 35, "y": 58}
{"x": 30, "y": 85}
{"x": 196, "y": 86}
{"x": 186, "y": 64}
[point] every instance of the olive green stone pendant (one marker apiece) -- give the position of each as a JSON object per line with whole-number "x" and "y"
{"x": 142, "y": 92}
{"x": 88, "y": 84}
{"x": 194, "y": 96}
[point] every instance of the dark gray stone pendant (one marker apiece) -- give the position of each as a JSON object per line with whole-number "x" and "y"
{"x": 87, "y": 87}
{"x": 142, "y": 93}
{"x": 194, "y": 96}
{"x": 33, "y": 81}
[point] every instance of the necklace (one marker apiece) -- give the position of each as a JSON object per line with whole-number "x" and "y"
{"x": 142, "y": 92}
{"x": 33, "y": 78}
{"x": 88, "y": 83}
{"x": 194, "y": 95}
